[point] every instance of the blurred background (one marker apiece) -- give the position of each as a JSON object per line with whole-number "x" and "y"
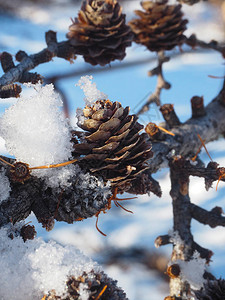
{"x": 127, "y": 253}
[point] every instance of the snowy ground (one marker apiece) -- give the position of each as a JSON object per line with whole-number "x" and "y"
{"x": 152, "y": 216}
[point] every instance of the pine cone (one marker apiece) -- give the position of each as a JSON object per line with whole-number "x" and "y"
{"x": 213, "y": 290}
{"x": 160, "y": 26}
{"x": 190, "y": 2}
{"x": 113, "y": 147}
{"x": 94, "y": 284}
{"x": 100, "y": 33}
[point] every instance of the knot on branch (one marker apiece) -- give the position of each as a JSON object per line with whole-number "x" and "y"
{"x": 197, "y": 105}
{"x": 169, "y": 115}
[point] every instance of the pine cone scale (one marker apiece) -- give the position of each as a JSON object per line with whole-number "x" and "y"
{"x": 106, "y": 148}
{"x": 91, "y": 125}
{"x": 84, "y": 148}
{"x": 117, "y": 138}
{"x": 98, "y": 136}
{"x": 117, "y": 158}
{"x": 113, "y": 44}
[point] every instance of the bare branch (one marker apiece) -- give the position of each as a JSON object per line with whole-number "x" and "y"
{"x": 194, "y": 42}
{"x": 186, "y": 142}
{"x": 162, "y": 240}
{"x": 161, "y": 83}
{"x": 207, "y": 217}
{"x": 28, "y": 62}
{"x": 204, "y": 253}
{"x": 169, "y": 115}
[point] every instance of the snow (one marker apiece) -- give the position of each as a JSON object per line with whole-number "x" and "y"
{"x": 36, "y": 132}
{"x": 90, "y": 90}
{"x": 4, "y": 186}
{"x": 176, "y": 240}
{"x": 31, "y": 269}
{"x": 193, "y": 270}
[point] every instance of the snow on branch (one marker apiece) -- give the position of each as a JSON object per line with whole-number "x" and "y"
{"x": 47, "y": 269}
{"x": 39, "y": 137}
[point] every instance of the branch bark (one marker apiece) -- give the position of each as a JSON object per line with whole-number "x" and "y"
{"x": 211, "y": 218}
{"x": 66, "y": 205}
{"x": 186, "y": 142}
{"x": 181, "y": 224}
{"x": 161, "y": 83}
{"x": 193, "y": 42}
{"x": 29, "y": 62}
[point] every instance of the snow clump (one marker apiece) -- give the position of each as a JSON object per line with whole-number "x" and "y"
{"x": 31, "y": 269}
{"x": 192, "y": 271}
{"x": 36, "y": 132}
{"x": 90, "y": 90}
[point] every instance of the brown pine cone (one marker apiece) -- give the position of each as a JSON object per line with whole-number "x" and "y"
{"x": 160, "y": 26}
{"x": 112, "y": 146}
{"x": 190, "y": 2}
{"x": 100, "y": 33}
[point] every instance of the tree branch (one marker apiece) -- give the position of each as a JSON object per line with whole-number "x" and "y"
{"x": 28, "y": 62}
{"x": 66, "y": 205}
{"x": 161, "y": 84}
{"x": 181, "y": 223}
{"x": 186, "y": 142}
{"x": 193, "y": 42}
{"x": 211, "y": 218}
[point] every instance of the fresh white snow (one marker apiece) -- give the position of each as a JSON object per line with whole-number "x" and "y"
{"x": 31, "y": 269}
{"x": 90, "y": 90}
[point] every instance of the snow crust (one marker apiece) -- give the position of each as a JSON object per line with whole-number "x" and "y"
{"x": 31, "y": 269}
{"x": 4, "y": 186}
{"x": 90, "y": 90}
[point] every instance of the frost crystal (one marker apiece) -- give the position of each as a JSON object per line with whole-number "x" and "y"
{"x": 36, "y": 132}
{"x": 90, "y": 184}
{"x": 91, "y": 92}
{"x": 31, "y": 269}
{"x": 4, "y": 186}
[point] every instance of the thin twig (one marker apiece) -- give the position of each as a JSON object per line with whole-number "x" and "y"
{"x": 193, "y": 42}
{"x": 28, "y": 62}
{"x": 161, "y": 83}
{"x": 207, "y": 217}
